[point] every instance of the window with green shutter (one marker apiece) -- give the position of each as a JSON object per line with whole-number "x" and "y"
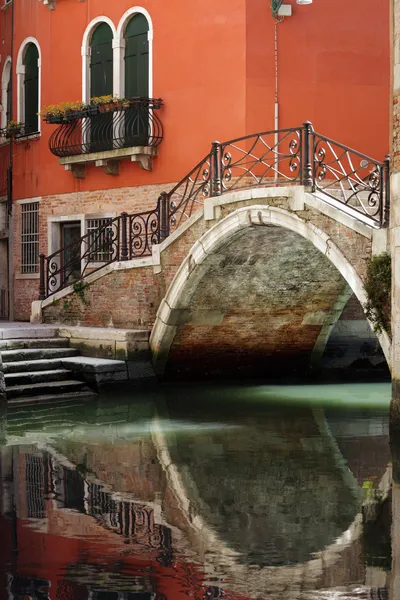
{"x": 137, "y": 57}
{"x": 137, "y": 79}
{"x": 101, "y": 84}
{"x": 31, "y": 89}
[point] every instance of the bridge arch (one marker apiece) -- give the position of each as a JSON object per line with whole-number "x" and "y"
{"x": 173, "y": 308}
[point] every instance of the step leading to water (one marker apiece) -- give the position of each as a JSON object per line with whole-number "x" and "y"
{"x": 37, "y": 353}
{"x": 33, "y": 343}
{"x": 51, "y": 387}
{"x": 52, "y": 398}
{"x": 15, "y": 331}
{"x": 43, "y": 364}
{"x": 27, "y": 378}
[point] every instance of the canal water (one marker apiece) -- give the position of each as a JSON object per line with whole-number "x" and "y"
{"x": 234, "y": 492}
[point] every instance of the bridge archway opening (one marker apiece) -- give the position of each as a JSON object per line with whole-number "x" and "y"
{"x": 262, "y": 294}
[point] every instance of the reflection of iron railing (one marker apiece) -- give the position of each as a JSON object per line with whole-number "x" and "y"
{"x": 341, "y": 176}
{"x": 133, "y": 124}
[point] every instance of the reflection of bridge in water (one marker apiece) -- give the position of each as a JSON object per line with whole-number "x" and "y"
{"x": 286, "y": 516}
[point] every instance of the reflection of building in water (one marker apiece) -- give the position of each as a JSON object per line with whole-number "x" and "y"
{"x": 91, "y": 540}
{"x": 63, "y": 533}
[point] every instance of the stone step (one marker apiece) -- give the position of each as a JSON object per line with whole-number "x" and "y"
{"x": 37, "y": 353}
{"x": 23, "y": 366}
{"x": 22, "y": 331}
{"x": 46, "y": 399}
{"x": 27, "y": 378}
{"x": 54, "y": 388}
{"x": 40, "y": 343}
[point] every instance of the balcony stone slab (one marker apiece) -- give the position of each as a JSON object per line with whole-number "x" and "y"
{"x": 109, "y": 160}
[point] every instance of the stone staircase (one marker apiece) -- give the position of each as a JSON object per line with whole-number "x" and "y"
{"x": 39, "y": 366}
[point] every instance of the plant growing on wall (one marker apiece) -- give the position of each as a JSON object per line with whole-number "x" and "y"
{"x": 378, "y": 288}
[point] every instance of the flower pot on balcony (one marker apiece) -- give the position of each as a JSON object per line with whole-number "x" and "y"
{"x": 54, "y": 119}
{"x": 12, "y": 132}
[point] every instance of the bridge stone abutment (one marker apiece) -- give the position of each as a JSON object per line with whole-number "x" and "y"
{"x": 254, "y": 281}
{"x": 261, "y": 290}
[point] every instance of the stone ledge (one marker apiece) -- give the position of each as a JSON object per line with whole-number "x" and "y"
{"x": 93, "y": 365}
{"x": 109, "y": 160}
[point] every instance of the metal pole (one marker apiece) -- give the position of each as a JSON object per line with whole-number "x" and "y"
{"x": 164, "y": 217}
{"x": 42, "y": 281}
{"x": 216, "y": 169}
{"x": 308, "y": 179}
{"x": 124, "y": 239}
{"x": 386, "y": 213}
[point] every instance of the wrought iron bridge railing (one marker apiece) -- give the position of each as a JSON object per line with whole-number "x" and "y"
{"x": 353, "y": 182}
{"x": 129, "y": 124}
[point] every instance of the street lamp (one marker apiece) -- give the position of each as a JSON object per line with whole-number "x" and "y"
{"x": 277, "y": 7}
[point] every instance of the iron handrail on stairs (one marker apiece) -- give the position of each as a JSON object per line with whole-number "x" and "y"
{"x": 351, "y": 181}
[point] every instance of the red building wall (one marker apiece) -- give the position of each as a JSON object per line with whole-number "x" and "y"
{"x": 214, "y": 67}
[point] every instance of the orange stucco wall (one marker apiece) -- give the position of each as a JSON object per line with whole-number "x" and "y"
{"x": 214, "y": 67}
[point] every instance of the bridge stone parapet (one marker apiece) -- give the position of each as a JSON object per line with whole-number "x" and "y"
{"x": 254, "y": 278}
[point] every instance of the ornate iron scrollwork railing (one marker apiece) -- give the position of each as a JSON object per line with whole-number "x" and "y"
{"x": 351, "y": 181}
{"x": 133, "y": 124}
{"x": 271, "y": 157}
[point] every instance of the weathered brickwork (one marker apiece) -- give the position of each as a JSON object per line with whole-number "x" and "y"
{"x": 112, "y": 201}
{"x": 268, "y": 292}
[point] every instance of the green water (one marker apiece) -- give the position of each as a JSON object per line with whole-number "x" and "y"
{"x": 199, "y": 492}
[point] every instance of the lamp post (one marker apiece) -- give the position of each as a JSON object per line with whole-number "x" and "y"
{"x": 276, "y": 5}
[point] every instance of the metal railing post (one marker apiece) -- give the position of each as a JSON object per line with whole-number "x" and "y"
{"x": 386, "y": 199}
{"x": 163, "y": 216}
{"x": 42, "y": 280}
{"x": 308, "y": 175}
{"x": 124, "y": 239}
{"x": 215, "y": 169}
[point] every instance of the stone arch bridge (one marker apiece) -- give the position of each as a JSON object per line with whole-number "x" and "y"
{"x": 246, "y": 264}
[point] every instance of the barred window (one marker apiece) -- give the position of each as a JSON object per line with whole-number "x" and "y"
{"x": 30, "y": 237}
{"x": 100, "y": 239}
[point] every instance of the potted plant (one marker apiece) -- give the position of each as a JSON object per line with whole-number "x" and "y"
{"x": 64, "y": 112}
{"x": 13, "y": 128}
{"x": 104, "y": 103}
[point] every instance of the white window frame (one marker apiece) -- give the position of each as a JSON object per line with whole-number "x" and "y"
{"x": 20, "y": 80}
{"x": 119, "y": 49}
{"x": 85, "y": 51}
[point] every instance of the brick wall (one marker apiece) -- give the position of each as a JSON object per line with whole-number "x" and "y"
{"x": 117, "y": 200}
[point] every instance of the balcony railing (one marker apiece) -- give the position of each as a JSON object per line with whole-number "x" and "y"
{"x": 101, "y": 128}
{"x": 350, "y": 181}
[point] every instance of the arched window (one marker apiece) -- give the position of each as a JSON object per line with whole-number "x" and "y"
{"x": 6, "y": 93}
{"x": 137, "y": 57}
{"x": 31, "y": 88}
{"x": 101, "y": 84}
